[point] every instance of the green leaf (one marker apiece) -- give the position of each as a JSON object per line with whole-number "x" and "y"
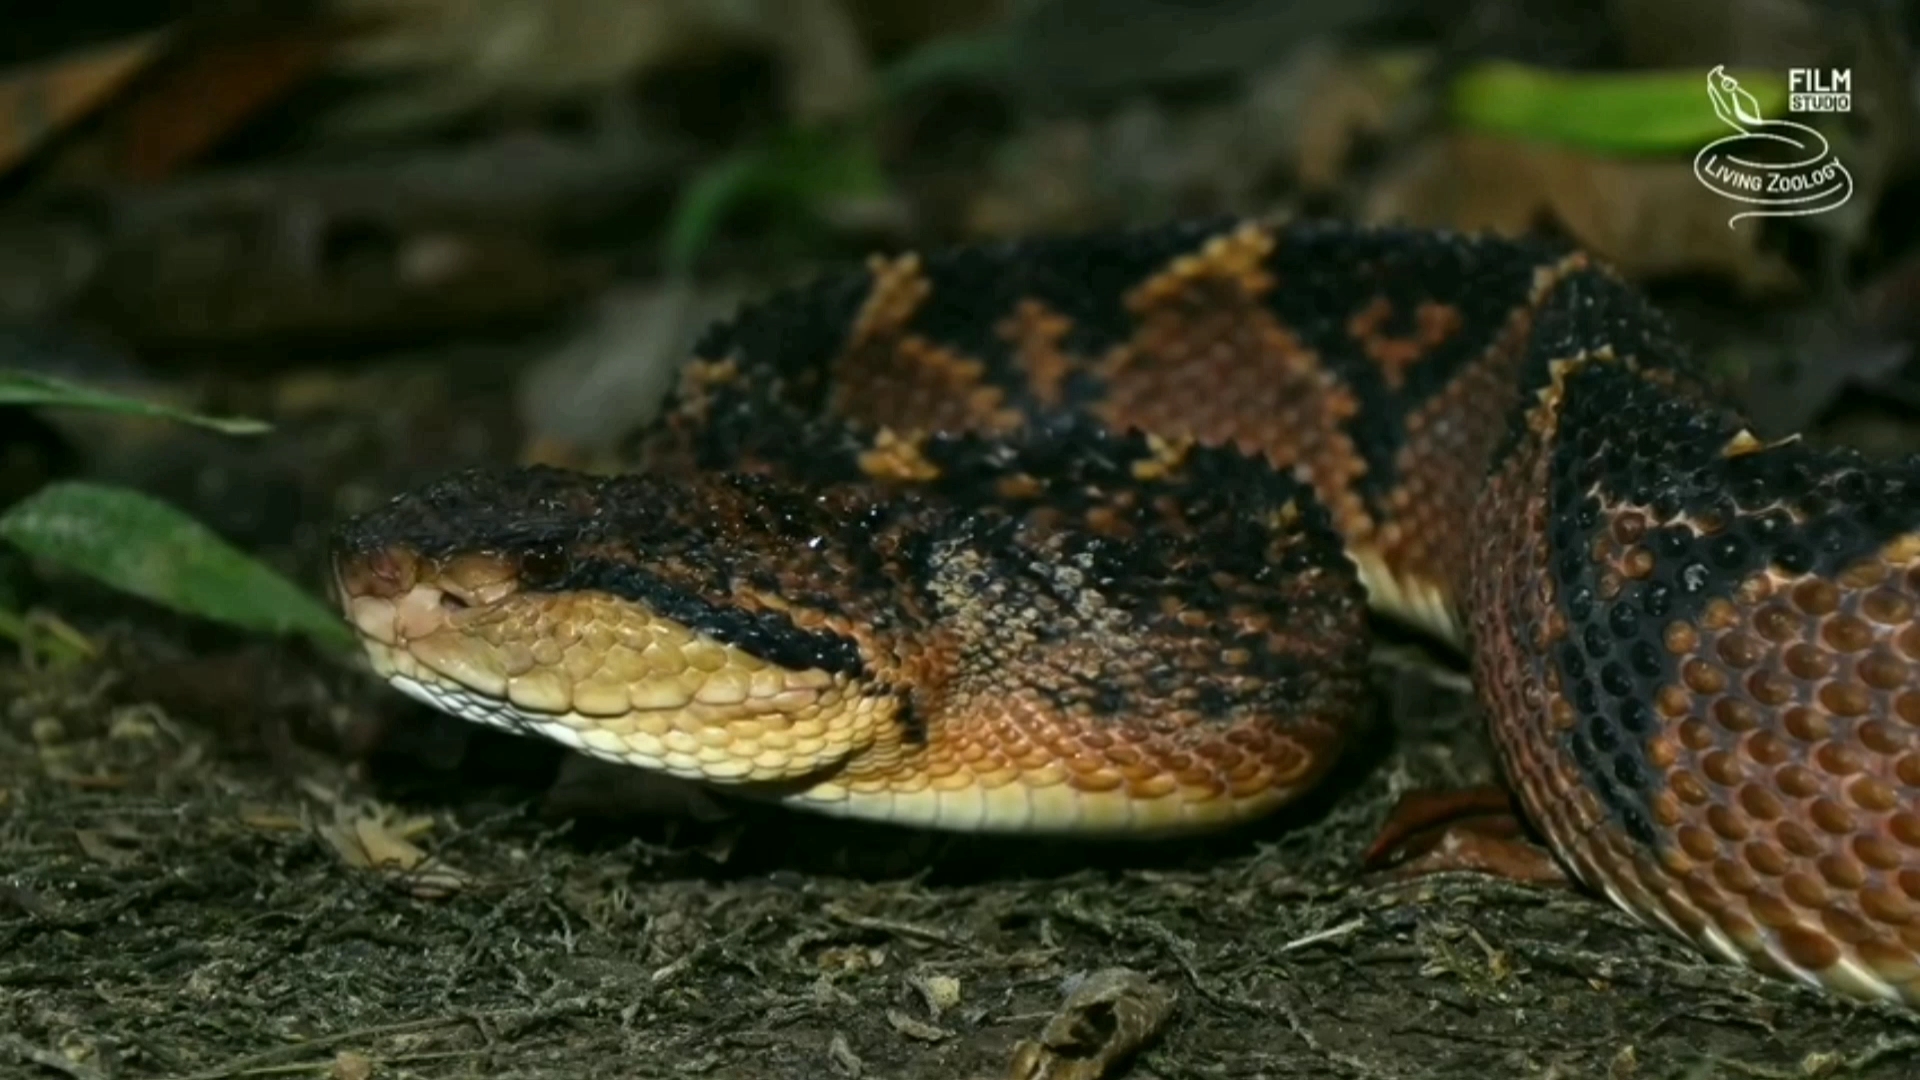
{"x": 796, "y": 168}
{"x": 799, "y": 167}
{"x": 1656, "y": 112}
{"x": 28, "y": 388}
{"x": 704, "y": 203}
{"x": 143, "y": 546}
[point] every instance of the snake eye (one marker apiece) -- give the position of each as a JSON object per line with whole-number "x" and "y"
{"x": 542, "y": 566}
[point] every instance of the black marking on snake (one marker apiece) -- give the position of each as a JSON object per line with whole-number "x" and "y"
{"x": 769, "y": 635}
{"x": 798, "y": 329}
{"x": 960, "y": 535}
{"x": 1640, "y": 445}
{"x": 1485, "y": 280}
{"x": 1084, "y": 278}
{"x": 543, "y": 564}
{"x": 912, "y": 720}
{"x": 1584, "y": 311}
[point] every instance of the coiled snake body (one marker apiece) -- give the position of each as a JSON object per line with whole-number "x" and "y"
{"x": 1078, "y": 534}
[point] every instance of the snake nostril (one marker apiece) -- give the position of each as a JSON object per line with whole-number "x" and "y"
{"x": 450, "y": 602}
{"x": 387, "y": 572}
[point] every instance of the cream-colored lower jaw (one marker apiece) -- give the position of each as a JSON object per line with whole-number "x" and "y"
{"x": 724, "y": 753}
{"x": 682, "y": 734}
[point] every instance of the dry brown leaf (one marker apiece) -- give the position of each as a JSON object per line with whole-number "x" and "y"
{"x": 369, "y": 838}
{"x": 114, "y": 844}
{"x": 1647, "y": 218}
{"x": 457, "y": 55}
{"x": 1103, "y": 1022}
{"x": 38, "y": 101}
{"x": 210, "y": 85}
{"x": 916, "y": 1029}
{"x": 1348, "y": 102}
{"x": 348, "y": 1065}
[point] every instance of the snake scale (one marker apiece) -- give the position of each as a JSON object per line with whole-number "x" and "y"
{"x": 1079, "y": 534}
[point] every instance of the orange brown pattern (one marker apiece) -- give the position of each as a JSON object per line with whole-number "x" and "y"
{"x": 1036, "y": 334}
{"x": 1442, "y": 466}
{"x": 1789, "y": 740}
{"x": 890, "y": 375}
{"x": 1434, "y": 324}
{"x": 1700, "y": 675}
{"x": 1208, "y": 360}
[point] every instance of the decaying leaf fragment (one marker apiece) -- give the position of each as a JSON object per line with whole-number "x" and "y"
{"x": 372, "y": 838}
{"x": 1103, "y": 1022}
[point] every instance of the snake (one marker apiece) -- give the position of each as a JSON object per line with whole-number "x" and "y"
{"x": 1084, "y": 534}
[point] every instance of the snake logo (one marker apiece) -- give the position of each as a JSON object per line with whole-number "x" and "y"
{"x": 1782, "y": 168}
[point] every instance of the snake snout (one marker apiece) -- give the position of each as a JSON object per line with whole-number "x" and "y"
{"x": 392, "y": 594}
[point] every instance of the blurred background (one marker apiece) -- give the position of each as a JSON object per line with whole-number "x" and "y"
{"x": 283, "y": 207}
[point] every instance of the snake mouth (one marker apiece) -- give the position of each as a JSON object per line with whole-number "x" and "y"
{"x": 392, "y": 594}
{"x": 418, "y": 619}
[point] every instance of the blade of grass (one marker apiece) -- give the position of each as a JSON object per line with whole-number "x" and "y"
{"x": 54, "y": 642}
{"x": 959, "y": 57}
{"x": 139, "y": 545}
{"x": 30, "y": 388}
{"x": 796, "y": 168}
{"x": 705, "y": 201}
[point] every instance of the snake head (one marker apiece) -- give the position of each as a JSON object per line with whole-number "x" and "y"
{"x": 621, "y": 616}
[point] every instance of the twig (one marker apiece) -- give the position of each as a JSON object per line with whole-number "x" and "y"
{"x": 1329, "y": 934}
{"x": 892, "y": 926}
{"x": 254, "y": 1064}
